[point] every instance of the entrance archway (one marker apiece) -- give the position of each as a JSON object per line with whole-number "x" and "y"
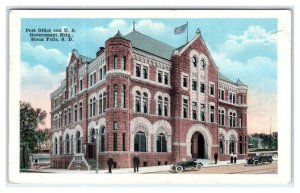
{"x": 202, "y": 138}
{"x": 198, "y": 145}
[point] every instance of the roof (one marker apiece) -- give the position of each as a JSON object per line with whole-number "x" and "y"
{"x": 119, "y": 35}
{"x": 222, "y": 77}
{"x": 150, "y": 45}
{"x": 85, "y": 59}
{"x": 240, "y": 83}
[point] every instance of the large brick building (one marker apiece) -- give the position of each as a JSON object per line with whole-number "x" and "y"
{"x": 142, "y": 95}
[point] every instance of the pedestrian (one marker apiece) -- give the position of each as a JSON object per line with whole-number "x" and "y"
{"x": 231, "y": 158}
{"x": 136, "y": 162}
{"x": 234, "y": 158}
{"x": 110, "y": 162}
{"x": 216, "y": 157}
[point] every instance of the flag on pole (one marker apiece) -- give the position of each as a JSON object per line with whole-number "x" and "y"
{"x": 180, "y": 29}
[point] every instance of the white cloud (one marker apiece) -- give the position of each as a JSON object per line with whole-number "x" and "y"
{"x": 148, "y": 24}
{"x": 39, "y": 77}
{"x": 39, "y": 54}
{"x": 117, "y": 23}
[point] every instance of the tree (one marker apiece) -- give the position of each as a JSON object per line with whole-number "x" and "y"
{"x": 30, "y": 136}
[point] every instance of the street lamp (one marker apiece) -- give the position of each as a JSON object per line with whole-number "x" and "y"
{"x": 97, "y": 147}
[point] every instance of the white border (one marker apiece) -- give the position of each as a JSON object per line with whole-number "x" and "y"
{"x": 284, "y": 94}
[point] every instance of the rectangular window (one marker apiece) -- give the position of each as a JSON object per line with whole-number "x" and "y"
{"x": 221, "y": 94}
{"x": 124, "y": 63}
{"x": 166, "y": 78}
{"x": 75, "y": 113}
{"x": 115, "y": 62}
{"x": 185, "y": 81}
{"x": 194, "y": 85}
{"x": 212, "y": 113}
{"x": 185, "y": 108}
{"x": 159, "y": 76}
{"x": 145, "y": 72}
{"x": 94, "y": 78}
{"x": 115, "y": 126}
{"x": 138, "y": 70}
{"x": 124, "y": 141}
{"x": 104, "y": 71}
{"x": 115, "y": 96}
{"x": 100, "y": 74}
{"x": 80, "y": 111}
{"x": 115, "y": 141}
{"x": 202, "y": 112}
{"x": 69, "y": 116}
{"x": 202, "y": 88}
{"x": 232, "y": 97}
{"x": 124, "y": 97}
{"x": 91, "y": 79}
{"x": 65, "y": 117}
{"x": 80, "y": 85}
{"x": 212, "y": 89}
{"x": 194, "y": 110}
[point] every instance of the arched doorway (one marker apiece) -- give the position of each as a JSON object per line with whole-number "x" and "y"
{"x": 198, "y": 145}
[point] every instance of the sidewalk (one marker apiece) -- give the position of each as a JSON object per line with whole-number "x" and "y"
{"x": 142, "y": 170}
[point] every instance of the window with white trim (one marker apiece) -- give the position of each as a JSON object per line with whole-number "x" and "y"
{"x": 194, "y": 85}
{"x": 75, "y": 112}
{"x": 80, "y": 111}
{"x": 65, "y": 117}
{"x": 221, "y": 94}
{"x": 185, "y": 108}
{"x": 138, "y": 70}
{"x": 194, "y": 110}
{"x": 221, "y": 116}
{"x": 145, "y": 72}
{"x": 138, "y": 101}
{"x": 80, "y": 85}
{"x": 115, "y": 62}
{"x": 232, "y": 96}
{"x": 69, "y": 115}
{"x": 145, "y": 102}
{"x": 202, "y": 112}
{"x": 115, "y": 95}
{"x": 184, "y": 81}
{"x": 202, "y": 87}
{"x": 159, "y": 76}
{"x": 123, "y": 103}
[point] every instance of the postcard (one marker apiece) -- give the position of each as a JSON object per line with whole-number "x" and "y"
{"x": 150, "y": 97}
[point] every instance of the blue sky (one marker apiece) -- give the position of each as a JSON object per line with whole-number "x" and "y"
{"x": 241, "y": 48}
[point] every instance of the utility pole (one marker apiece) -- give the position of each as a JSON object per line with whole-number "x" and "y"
{"x": 270, "y": 142}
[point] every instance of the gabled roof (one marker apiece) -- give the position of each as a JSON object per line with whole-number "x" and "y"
{"x": 150, "y": 45}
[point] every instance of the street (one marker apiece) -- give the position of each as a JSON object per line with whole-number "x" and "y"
{"x": 232, "y": 169}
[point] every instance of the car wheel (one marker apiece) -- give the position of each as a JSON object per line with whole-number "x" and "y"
{"x": 255, "y": 163}
{"x": 198, "y": 166}
{"x": 179, "y": 169}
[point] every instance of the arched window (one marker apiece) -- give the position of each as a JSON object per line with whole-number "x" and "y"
{"x": 102, "y": 139}
{"x": 161, "y": 143}
{"x": 145, "y": 102}
{"x": 221, "y": 144}
{"x": 92, "y": 135}
{"x": 232, "y": 145}
{"x": 194, "y": 61}
{"x": 55, "y": 146}
{"x": 140, "y": 142}
{"x": 159, "y": 105}
{"x": 91, "y": 107}
{"x": 67, "y": 141}
{"x": 203, "y": 63}
{"x": 100, "y": 104}
{"x": 78, "y": 142}
{"x": 166, "y": 107}
{"x": 233, "y": 119}
{"x": 138, "y": 102}
{"x": 104, "y": 102}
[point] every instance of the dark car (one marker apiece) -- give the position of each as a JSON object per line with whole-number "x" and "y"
{"x": 180, "y": 166}
{"x": 260, "y": 159}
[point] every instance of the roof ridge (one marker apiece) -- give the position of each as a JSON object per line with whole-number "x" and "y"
{"x": 85, "y": 56}
{"x": 154, "y": 39}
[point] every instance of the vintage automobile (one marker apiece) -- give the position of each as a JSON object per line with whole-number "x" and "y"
{"x": 180, "y": 166}
{"x": 260, "y": 159}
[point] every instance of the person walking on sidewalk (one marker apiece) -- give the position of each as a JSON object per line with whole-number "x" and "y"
{"x": 216, "y": 157}
{"x": 136, "y": 162}
{"x": 110, "y": 162}
{"x": 231, "y": 158}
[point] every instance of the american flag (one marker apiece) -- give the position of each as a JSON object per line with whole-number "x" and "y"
{"x": 180, "y": 29}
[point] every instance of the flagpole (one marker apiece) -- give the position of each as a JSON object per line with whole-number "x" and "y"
{"x": 187, "y": 32}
